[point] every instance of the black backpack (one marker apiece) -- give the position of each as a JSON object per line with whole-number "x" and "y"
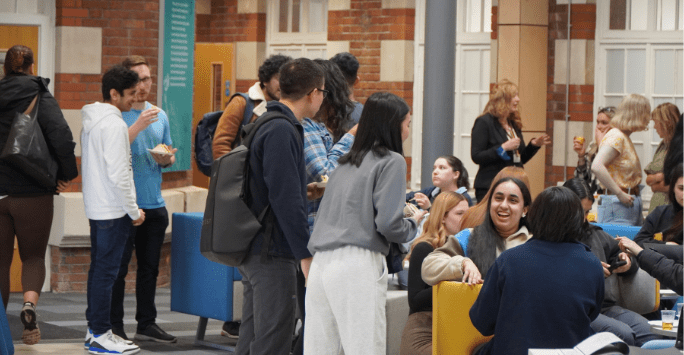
{"x": 229, "y": 226}
{"x": 204, "y": 134}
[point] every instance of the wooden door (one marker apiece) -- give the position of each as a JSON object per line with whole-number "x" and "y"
{"x": 10, "y": 36}
{"x": 213, "y": 69}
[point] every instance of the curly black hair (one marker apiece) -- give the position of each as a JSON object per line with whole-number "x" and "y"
{"x": 337, "y": 107}
{"x": 271, "y": 67}
{"x": 349, "y": 66}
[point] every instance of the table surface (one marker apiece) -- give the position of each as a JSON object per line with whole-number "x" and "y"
{"x": 657, "y": 328}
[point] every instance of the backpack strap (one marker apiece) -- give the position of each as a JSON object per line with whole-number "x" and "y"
{"x": 249, "y": 107}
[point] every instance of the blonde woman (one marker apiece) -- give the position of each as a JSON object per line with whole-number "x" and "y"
{"x": 444, "y": 220}
{"x": 617, "y": 166}
{"x": 586, "y": 154}
{"x": 497, "y": 137}
{"x": 665, "y": 118}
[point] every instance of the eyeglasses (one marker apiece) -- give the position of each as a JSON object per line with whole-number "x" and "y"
{"x": 324, "y": 92}
{"x": 610, "y": 109}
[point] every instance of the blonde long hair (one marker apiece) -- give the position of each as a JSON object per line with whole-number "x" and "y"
{"x": 499, "y": 103}
{"x": 668, "y": 116}
{"x": 434, "y": 231}
{"x": 632, "y": 114}
{"x": 475, "y": 215}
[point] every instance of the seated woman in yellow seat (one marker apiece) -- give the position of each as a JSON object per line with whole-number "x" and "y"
{"x": 504, "y": 227}
{"x": 443, "y": 222}
{"x": 546, "y": 292}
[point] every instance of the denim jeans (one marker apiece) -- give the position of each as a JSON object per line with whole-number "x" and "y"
{"x": 107, "y": 239}
{"x": 629, "y": 326}
{"x": 147, "y": 240}
{"x": 611, "y": 210}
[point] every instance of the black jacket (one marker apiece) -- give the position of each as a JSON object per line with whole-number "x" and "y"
{"x": 16, "y": 93}
{"x": 658, "y": 221}
{"x": 278, "y": 176}
{"x": 665, "y": 270}
{"x": 487, "y": 136}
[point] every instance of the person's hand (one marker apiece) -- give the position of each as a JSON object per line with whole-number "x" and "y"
{"x": 419, "y": 215}
{"x": 140, "y": 220}
{"x": 147, "y": 118}
{"x": 625, "y": 199}
{"x": 599, "y": 134}
{"x": 471, "y": 275}
{"x": 511, "y": 144}
{"x": 671, "y": 243}
{"x": 165, "y": 160}
{"x": 544, "y": 139}
{"x": 606, "y": 272}
{"x": 62, "y": 186}
{"x": 422, "y": 200}
{"x": 352, "y": 130}
{"x": 579, "y": 148}
{"x": 626, "y": 267}
{"x": 629, "y": 246}
{"x": 314, "y": 192}
{"x": 306, "y": 265}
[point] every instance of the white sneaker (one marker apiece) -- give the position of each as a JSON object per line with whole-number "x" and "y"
{"x": 89, "y": 336}
{"x": 108, "y": 343}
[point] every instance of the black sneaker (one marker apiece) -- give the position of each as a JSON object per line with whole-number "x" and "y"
{"x": 154, "y": 333}
{"x": 31, "y": 333}
{"x": 120, "y": 332}
{"x": 231, "y": 330}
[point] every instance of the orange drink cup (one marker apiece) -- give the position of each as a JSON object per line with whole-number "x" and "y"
{"x": 667, "y": 317}
{"x": 580, "y": 139}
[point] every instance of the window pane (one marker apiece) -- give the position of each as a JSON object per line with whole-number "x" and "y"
{"x": 474, "y": 22}
{"x": 615, "y": 65}
{"x": 668, "y": 15}
{"x": 664, "y": 70}
{"x": 295, "y": 15}
{"x": 471, "y": 70}
{"x": 317, "y": 16}
{"x": 613, "y": 100}
{"x": 217, "y": 86}
{"x": 618, "y": 14}
{"x": 636, "y": 71}
{"x": 677, "y": 74}
{"x": 487, "y": 27}
{"x": 680, "y": 104}
{"x": 639, "y": 13}
{"x": 282, "y": 18}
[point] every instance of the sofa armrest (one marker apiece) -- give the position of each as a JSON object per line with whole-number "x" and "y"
{"x": 639, "y": 292}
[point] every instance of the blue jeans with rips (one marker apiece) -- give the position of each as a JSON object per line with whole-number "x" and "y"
{"x": 108, "y": 239}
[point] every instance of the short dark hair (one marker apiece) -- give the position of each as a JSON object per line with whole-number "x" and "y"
{"x": 118, "y": 78}
{"x": 349, "y": 66}
{"x": 580, "y": 188}
{"x": 299, "y": 77}
{"x": 379, "y": 128}
{"x": 457, "y": 165}
{"x": 556, "y": 215}
{"x": 134, "y": 61}
{"x": 270, "y": 67}
{"x": 485, "y": 239}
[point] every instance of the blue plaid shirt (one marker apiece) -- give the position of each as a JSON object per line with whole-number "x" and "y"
{"x": 320, "y": 157}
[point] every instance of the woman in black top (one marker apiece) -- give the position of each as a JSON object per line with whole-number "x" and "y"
{"x": 444, "y": 220}
{"x": 496, "y": 140}
{"x": 665, "y": 220}
{"x": 26, "y": 207}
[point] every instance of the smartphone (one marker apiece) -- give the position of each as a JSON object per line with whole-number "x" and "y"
{"x": 616, "y": 265}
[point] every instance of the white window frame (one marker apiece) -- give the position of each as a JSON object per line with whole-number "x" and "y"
{"x": 274, "y": 37}
{"x": 650, "y": 40}
{"x": 465, "y": 41}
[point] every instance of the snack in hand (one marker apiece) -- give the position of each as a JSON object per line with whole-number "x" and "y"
{"x": 410, "y": 210}
{"x": 323, "y": 182}
{"x": 161, "y": 148}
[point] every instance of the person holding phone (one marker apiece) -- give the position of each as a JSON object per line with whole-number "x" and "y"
{"x": 629, "y": 326}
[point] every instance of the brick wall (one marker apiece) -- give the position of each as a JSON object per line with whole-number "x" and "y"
{"x": 70, "y": 269}
{"x": 581, "y": 99}
{"x": 364, "y": 25}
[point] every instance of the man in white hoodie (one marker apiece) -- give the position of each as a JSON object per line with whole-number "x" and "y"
{"x": 110, "y": 202}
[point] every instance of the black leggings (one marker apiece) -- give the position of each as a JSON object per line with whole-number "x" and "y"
{"x": 30, "y": 219}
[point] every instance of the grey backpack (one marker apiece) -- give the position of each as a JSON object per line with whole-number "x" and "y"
{"x": 229, "y": 226}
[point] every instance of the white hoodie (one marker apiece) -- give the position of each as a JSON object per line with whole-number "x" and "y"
{"x": 108, "y": 189}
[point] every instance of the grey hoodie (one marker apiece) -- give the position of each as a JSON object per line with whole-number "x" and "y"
{"x": 108, "y": 189}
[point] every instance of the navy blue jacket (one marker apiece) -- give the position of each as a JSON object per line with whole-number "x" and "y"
{"x": 539, "y": 295}
{"x": 278, "y": 177}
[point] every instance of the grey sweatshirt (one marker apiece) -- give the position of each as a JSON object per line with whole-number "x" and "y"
{"x": 364, "y": 206}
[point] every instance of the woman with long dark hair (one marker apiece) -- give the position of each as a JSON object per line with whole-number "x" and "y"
{"x": 504, "y": 227}
{"x": 25, "y": 205}
{"x": 629, "y": 326}
{"x": 665, "y": 221}
{"x": 448, "y": 174}
{"x": 360, "y": 214}
{"x": 545, "y": 293}
{"x": 443, "y": 221}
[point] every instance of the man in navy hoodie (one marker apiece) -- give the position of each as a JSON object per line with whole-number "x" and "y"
{"x": 278, "y": 178}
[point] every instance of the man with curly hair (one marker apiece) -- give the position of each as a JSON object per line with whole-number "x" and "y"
{"x": 266, "y": 89}
{"x": 349, "y": 66}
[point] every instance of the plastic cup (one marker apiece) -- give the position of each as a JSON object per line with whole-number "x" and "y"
{"x": 678, "y": 307}
{"x": 667, "y": 316}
